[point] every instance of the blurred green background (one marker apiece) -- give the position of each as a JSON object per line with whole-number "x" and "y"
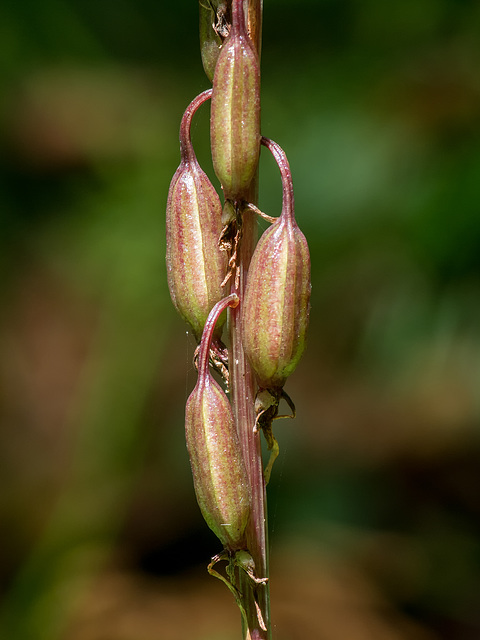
{"x": 374, "y": 503}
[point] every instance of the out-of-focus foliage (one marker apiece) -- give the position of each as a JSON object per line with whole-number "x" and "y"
{"x": 374, "y": 505}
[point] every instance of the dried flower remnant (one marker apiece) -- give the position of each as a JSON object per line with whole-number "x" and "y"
{"x": 266, "y": 410}
{"x": 195, "y": 265}
{"x": 214, "y": 28}
{"x": 219, "y": 474}
{"x": 235, "y": 116}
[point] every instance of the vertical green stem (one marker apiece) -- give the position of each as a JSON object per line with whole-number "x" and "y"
{"x": 243, "y": 398}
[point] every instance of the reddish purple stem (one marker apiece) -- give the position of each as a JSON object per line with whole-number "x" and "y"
{"x": 238, "y": 17}
{"x": 209, "y": 328}
{"x": 278, "y": 153}
{"x": 186, "y": 148}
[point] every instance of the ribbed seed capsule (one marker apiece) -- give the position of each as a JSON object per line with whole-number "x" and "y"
{"x": 195, "y": 265}
{"x": 235, "y": 116}
{"x": 219, "y": 473}
{"x": 276, "y": 305}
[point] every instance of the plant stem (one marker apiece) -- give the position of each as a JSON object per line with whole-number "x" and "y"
{"x": 186, "y": 149}
{"x": 243, "y": 398}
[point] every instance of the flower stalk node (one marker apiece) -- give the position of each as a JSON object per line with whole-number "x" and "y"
{"x": 230, "y": 238}
{"x": 266, "y": 409}
{"x": 218, "y": 358}
{"x": 243, "y": 561}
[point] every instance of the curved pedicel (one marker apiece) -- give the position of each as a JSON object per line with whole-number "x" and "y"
{"x": 235, "y": 116}
{"x": 219, "y": 474}
{"x": 276, "y": 305}
{"x": 195, "y": 265}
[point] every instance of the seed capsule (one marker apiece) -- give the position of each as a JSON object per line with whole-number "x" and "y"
{"x": 219, "y": 473}
{"x": 276, "y": 305}
{"x": 235, "y": 116}
{"x": 195, "y": 265}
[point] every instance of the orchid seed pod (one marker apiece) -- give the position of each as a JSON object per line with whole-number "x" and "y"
{"x": 219, "y": 474}
{"x": 195, "y": 265}
{"x": 235, "y": 116}
{"x": 276, "y": 305}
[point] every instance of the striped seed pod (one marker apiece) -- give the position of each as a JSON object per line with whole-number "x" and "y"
{"x": 219, "y": 474}
{"x": 195, "y": 265}
{"x": 276, "y": 305}
{"x": 235, "y": 116}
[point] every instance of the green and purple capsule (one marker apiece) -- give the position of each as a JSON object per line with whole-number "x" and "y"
{"x": 235, "y": 116}
{"x": 195, "y": 265}
{"x": 276, "y": 304}
{"x": 219, "y": 473}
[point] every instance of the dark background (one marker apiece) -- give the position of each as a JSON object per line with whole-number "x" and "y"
{"x": 374, "y": 503}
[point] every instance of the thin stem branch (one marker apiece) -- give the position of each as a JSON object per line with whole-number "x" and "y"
{"x": 186, "y": 149}
{"x": 256, "y": 599}
{"x": 284, "y": 166}
{"x": 209, "y": 328}
{"x": 243, "y": 397}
